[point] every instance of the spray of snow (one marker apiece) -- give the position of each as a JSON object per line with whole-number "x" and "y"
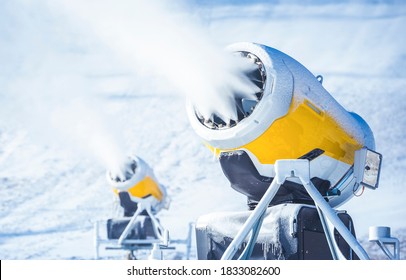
{"x": 182, "y": 53}
{"x": 46, "y": 92}
{"x": 53, "y": 96}
{"x": 59, "y": 112}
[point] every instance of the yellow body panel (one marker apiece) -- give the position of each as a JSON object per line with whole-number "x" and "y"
{"x": 304, "y": 128}
{"x": 146, "y": 186}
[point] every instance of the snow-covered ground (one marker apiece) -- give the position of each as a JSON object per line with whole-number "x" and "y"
{"x": 70, "y": 100}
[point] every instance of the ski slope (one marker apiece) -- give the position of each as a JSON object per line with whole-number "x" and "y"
{"x": 72, "y": 99}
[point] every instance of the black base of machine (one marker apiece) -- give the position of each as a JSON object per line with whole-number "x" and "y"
{"x": 142, "y": 228}
{"x": 312, "y": 242}
{"x": 298, "y": 230}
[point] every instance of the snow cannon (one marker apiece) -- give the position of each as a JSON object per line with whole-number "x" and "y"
{"x": 136, "y": 184}
{"x": 141, "y": 197}
{"x": 291, "y": 116}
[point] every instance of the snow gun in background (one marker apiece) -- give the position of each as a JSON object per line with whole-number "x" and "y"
{"x": 138, "y": 184}
{"x": 295, "y": 148}
{"x": 141, "y": 198}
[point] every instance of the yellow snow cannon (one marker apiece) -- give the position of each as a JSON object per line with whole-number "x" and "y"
{"x": 291, "y": 116}
{"x": 137, "y": 183}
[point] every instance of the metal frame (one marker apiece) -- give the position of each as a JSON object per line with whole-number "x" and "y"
{"x": 381, "y": 235}
{"x": 156, "y": 245}
{"x": 300, "y": 169}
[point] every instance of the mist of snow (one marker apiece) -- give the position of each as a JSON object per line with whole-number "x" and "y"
{"x": 182, "y": 54}
{"x": 46, "y": 91}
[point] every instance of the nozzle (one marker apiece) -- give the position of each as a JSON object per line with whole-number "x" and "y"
{"x": 125, "y": 173}
{"x": 254, "y": 72}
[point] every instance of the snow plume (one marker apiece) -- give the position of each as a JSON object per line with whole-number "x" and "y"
{"x": 52, "y": 47}
{"x": 58, "y": 111}
{"x": 45, "y": 90}
{"x": 169, "y": 42}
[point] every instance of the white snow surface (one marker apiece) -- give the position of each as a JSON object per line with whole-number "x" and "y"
{"x": 73, "y": 105}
